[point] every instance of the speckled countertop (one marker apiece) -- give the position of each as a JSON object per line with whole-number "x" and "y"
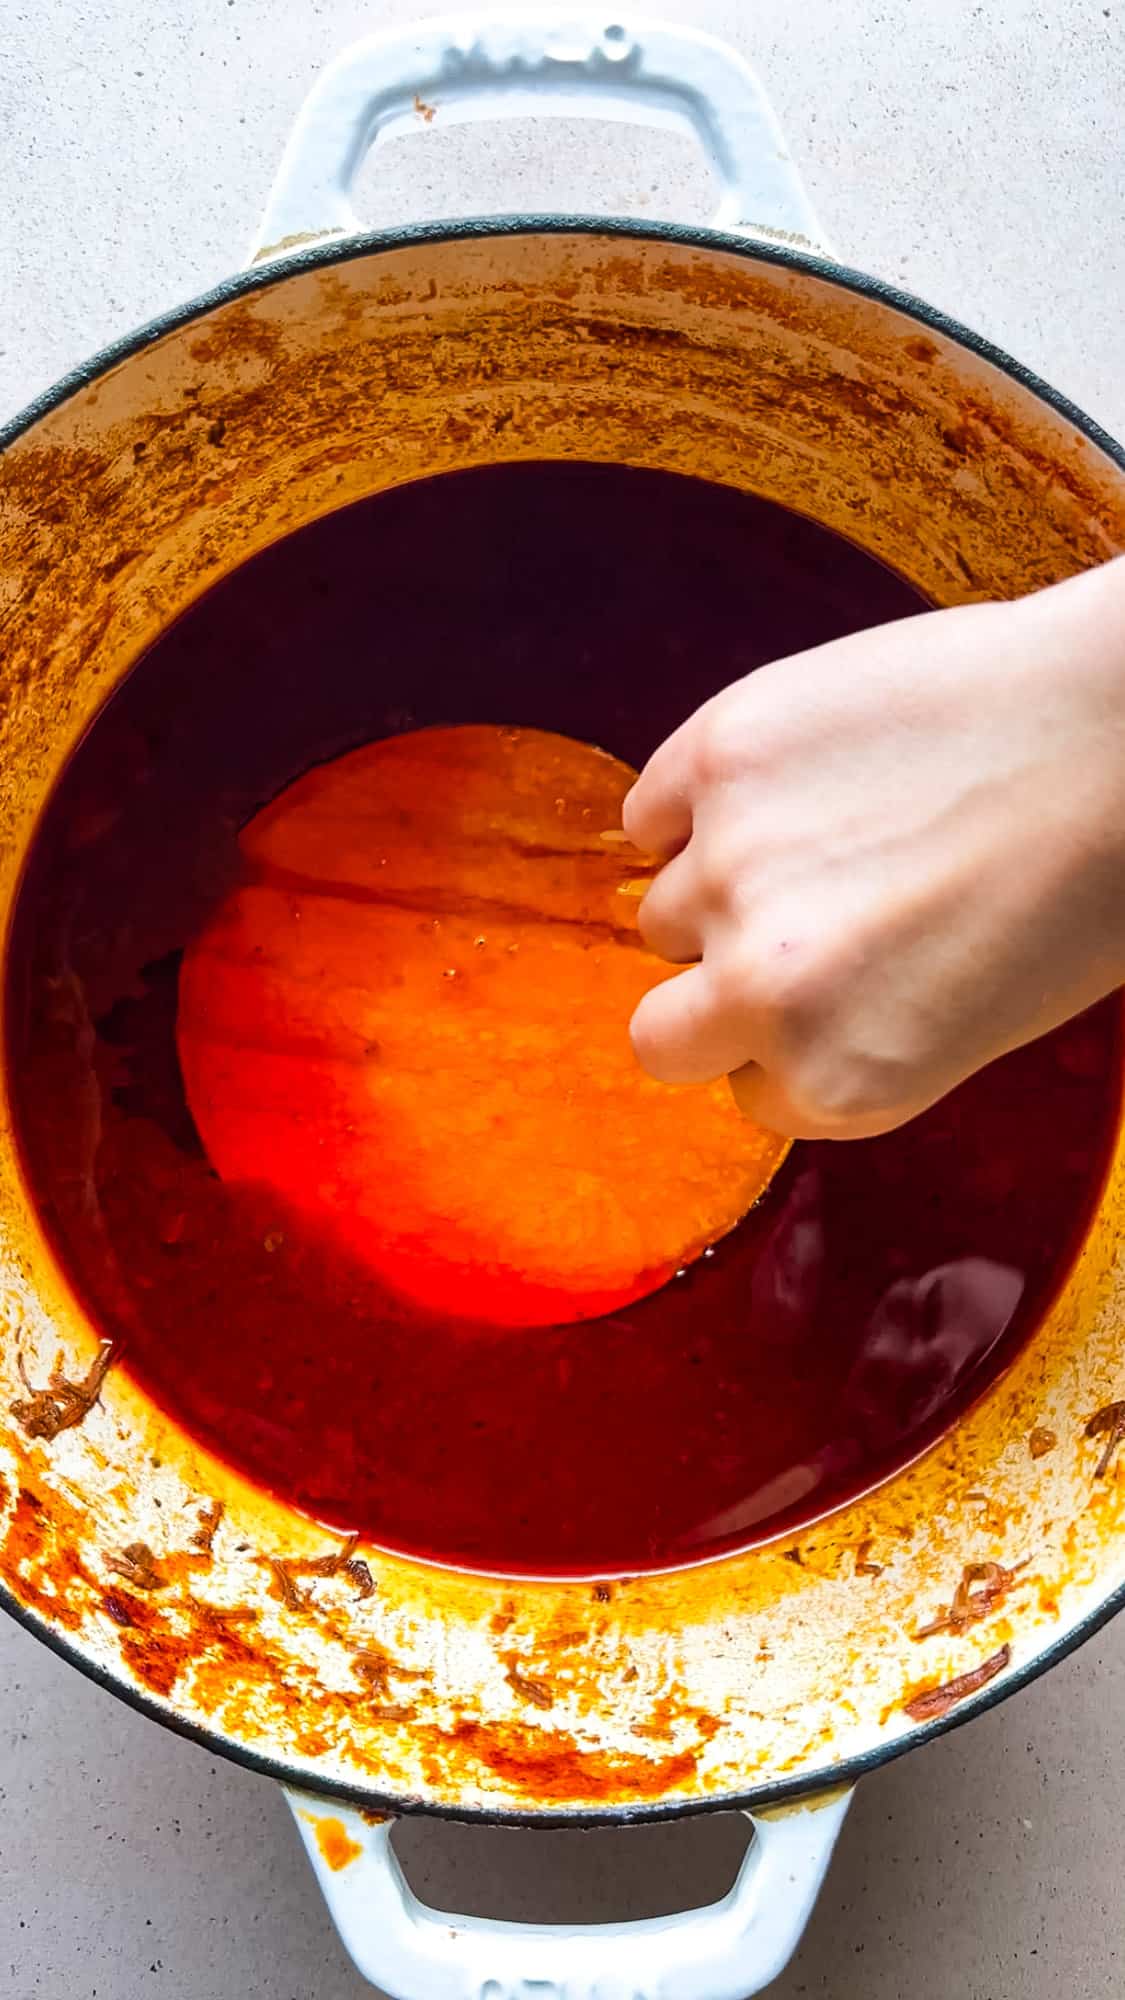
{"x": 972, "y": 152}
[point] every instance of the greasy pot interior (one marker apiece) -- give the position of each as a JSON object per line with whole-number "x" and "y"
{"x": 117, "y": 508}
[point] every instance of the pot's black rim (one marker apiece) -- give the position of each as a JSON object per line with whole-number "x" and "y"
{"x": 341, "y": 250}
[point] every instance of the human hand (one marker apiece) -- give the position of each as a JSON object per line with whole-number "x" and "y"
{"x": 890, "y": 860}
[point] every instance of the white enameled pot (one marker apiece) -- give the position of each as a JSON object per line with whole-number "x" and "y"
{"x": 340, "y": 364}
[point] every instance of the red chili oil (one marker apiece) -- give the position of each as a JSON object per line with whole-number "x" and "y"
{"x": 874, "y": 1292}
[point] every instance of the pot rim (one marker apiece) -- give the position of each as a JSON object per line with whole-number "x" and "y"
{"x": 330, "y": 250}
{"x": 321, "y": 255}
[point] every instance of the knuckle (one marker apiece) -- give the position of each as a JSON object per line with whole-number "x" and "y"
{"x": 648, "y": 1035}
{"x": 733, "y": 982}
{"x": 650, "y": 905}
{"x": 736, "y": 738}
{"x": 849, "y": 1061}
{"x": 714, "y": 751}
{"x": 643, "y": 1024}
{"x": 638, "y": 816}
{"x": 848, "y": 1090}
{"x": 718, "y": 877}
{"x": 661, "y": 918}
{"x": 645, "y": 1049}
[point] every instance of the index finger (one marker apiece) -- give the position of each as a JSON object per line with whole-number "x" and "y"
{"x": 657, "y": 812}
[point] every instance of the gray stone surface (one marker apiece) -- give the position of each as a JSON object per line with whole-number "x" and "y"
{"x": 972, "y": 152}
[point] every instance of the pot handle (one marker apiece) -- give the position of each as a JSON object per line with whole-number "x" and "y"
{"x": 460, "y": 70}
{"x": 727, "y": 1951}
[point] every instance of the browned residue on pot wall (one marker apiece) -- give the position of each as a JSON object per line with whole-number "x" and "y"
{"x": 149, "y": 1560}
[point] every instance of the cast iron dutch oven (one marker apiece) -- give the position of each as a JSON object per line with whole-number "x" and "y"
{"x": 340, "y": 364}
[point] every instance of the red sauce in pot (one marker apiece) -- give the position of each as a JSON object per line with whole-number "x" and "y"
{"x": 874, "y": 1290}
